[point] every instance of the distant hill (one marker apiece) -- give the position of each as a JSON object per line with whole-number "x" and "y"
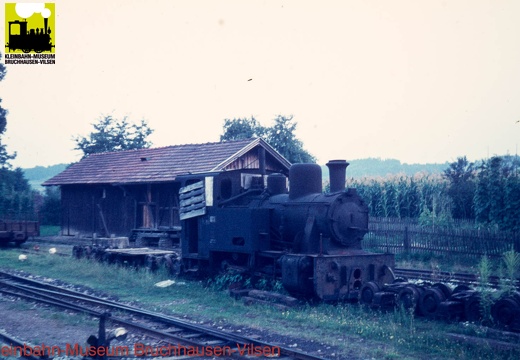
{"x": 373, "y": 167}
{"x": 357, "y": 169}
{"x": 37, "y": 175}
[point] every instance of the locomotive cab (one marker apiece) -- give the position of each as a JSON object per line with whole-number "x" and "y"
{"x": 220, "y": 229}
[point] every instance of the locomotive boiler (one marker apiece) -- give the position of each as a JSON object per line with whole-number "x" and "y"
{"x": 309, "y": 239}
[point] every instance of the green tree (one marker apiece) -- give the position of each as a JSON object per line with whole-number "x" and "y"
{"x": 50, "y": 211}
{"x": 481, "y": 203}
{"x": 497, "y": 195}
{"x": 280, "y": 136}
{"x": 111, "y": 134}
{"x": 16, "y": 196}
{"x": 461, "y": 189}
{"x": 4, "y": 155}
{"x": 238, "y": 129}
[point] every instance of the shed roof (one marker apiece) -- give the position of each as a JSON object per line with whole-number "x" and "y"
{"x": 158, "y": 164}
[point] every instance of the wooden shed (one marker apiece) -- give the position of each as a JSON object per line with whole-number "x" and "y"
{"x": 113, "y": 193}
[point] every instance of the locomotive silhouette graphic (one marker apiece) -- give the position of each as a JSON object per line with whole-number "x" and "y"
{"x": 20, "y": 38}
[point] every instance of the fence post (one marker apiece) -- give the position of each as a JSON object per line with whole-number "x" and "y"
{"x": 406, "y": 241}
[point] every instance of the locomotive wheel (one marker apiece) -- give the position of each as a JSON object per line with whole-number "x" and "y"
{"x": 472, "y": 310}
{"x": 504, "y": 311}
{"x": 445, "y": 289}
{"x": 409, "y": 297}
{"x": 77, "y": 251}
{"x": 367, "y": 292}
{"x": 26, "y": 50}
{"x": 150, "y": 262}
{"x": 430, "y": 301}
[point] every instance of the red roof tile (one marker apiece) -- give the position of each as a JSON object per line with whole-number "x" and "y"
{"x": 157, "y": 165}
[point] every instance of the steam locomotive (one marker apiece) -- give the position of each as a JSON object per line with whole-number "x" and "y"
{"x": 309, "y": 239}
{"x": 255, "y": 223}
{"x": 21, "y": 38}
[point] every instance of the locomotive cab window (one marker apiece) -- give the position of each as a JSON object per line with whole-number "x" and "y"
{"x": 14, "y": 29}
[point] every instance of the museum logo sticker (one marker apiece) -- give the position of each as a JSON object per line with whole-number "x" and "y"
{"x": 30, "y": 33}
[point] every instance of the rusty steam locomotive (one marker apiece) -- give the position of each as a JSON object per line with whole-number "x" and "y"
{"x": 309, "y": 239}
{"x": 247, "y": 221}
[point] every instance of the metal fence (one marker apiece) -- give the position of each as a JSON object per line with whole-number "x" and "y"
{"x": 401, "y": 236}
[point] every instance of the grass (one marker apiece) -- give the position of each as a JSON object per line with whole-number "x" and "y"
{"x": 347, "y": 331}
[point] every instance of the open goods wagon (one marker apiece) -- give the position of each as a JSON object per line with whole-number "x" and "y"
{"x": 18, "y": 231}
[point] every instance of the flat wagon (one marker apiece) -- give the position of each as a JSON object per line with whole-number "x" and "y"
{"x": 18, "y": 231}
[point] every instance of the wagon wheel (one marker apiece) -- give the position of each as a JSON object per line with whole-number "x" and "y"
{"x": 77, "y": 251}
{"x": 173, "y": 265}
{"x": 150, "y": 262}
{"x": 444, "y": 288}
{"x": 472, "y": 308}
{"x": 409, "y": 297}
{"x": 38, "y": 51}
{"x": 505, "y": 311}
{"x": 367, "y": 292}
{"x": 430, "y": 300}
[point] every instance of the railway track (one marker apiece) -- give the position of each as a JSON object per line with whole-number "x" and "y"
{"x": 437, "y": 294}
{"x": 176, "y": 338}
{"x": 409, "y": 274}
{"x": 446, "y": 277}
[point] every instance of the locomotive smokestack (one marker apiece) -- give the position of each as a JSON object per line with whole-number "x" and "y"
{"x": 337, "y": 174}
{"x": 45, "y": 22}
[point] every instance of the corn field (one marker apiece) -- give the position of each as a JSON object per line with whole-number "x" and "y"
{"x": 487, "y": 194}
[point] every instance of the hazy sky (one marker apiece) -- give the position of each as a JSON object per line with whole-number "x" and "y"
{"x": 419, "y": 81}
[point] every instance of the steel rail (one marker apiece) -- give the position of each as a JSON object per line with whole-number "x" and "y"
{"x": 435, "y": 276}
{"x": 14, "y": 342}
{"x": 227, "y": 338}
